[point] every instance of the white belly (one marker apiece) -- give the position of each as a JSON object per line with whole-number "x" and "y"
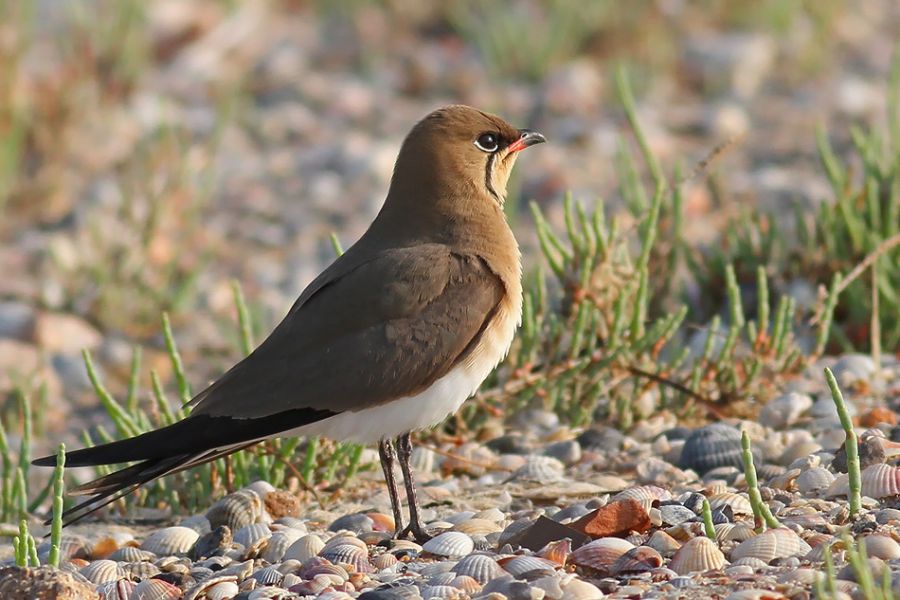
{"x": 434, "y": 404}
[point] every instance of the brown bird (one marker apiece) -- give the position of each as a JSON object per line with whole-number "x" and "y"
{"x": 391, "y": 338}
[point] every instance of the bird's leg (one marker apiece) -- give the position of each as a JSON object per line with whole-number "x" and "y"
{"x": 415, "y": 527}
{"x": 387, "y": 454}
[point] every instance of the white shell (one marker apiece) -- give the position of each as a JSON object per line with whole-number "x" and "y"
{"x": 251, "y": 536}
{"x": 601, "y": 554}
{"x": 814, "y": 480}
{"x": 578, "y": 589}
{"x": 279, "y": 544}
{"x": 698, "y": 554}
{"x": 156, "y": 589}
{"x": 224, "y": 590}
{"x": 117, "y": 590}
{"x": 102, "y": 571}
{"x": 222, "y": 584}
{"x": 771, "y": 544}
{"x": 739, "y": 503}
{"x": 451, "y": 544}
{"x": 647, "y": 495}
{"x": 543, "y": 469}
{"x": 170, "y": 541}
{"x": 520, "y": 565}
{"x": 480, "y": 567}
{"x": 442, "y": 592}
{"x": 305, "y": 548}
{"x": 882, "y": 546}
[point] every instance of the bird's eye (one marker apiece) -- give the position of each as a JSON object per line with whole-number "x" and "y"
{"x": 487, "y": 142}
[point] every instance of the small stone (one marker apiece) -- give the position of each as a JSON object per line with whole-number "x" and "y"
{"x": 871, "y": 452}
{"x": 42, "y": 583}
{"x": 357, "y": 523}
{"x": 215, "y": 543}
{"x": 676, "y": 514}
{"x": 785, "y": 410}
{"x": 880, "y": 415}
{"x": 65, "y": 334}
{"x": 281, "y": 503}
{"x": 567, "y": 452}
{"x": 615, "y": 519}
{"x": 16, "y": 320}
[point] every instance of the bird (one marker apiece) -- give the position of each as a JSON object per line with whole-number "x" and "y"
{"x": 391, "y": 338}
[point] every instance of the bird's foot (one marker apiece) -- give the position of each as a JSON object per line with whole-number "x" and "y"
{"x": 415, "y": 531}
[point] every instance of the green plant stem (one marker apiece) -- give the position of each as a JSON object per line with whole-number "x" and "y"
{"x": 708, "y": 526}
{"x": 850, "y": 444}
{"x": 761, "y": 511}
{"x": 56, "y": 521}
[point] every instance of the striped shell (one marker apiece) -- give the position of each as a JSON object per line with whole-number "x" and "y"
{"x": 557, "y": 552}
{"x": 600, "y": 555}
{"x": 305, "y": 548}
{"x": 278, "y": 545}
{"x": 881, "y": 481}
{"x": 348, "y": 554}
{"x": 882, "y": 546}
{"x": 734, "y": 532}
{"x": 156, "y": 589}
{"x": 520, "y": 565}
{"x": 699, "y": 554}
{"x": 647, "y": 495}
{"x": 268, "y": 576}
{"x": 477, "y": 527}
{"x": 466, "y": 584}
{"x": 451, "y": 544}
{"x": 170, "y": 541}
{"x": 386, "y": 560}
{"x": 480, "y": 567}
{"x": 117, "y": 590}
{"x": 542, "y": 469}
{"x": 739, "y": 503}
{"x": 224, "y": 590}
{"x": 814, "y": 480}
{"x": 442, "y": 592}
{"x": 203, "y": 589}
{"x": 102, "y": 571}
{"x": 252, "y": 536}
{"x": 637, "y": 560}
{"x": 140, "y": 570}
{"x": 771, "y": 544}
{"x": 130, "y": 554}
{"x": 236, "y": 510}
{"x": 750, "y": 561}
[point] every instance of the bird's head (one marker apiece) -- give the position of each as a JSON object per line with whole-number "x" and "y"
{"x": 460, "y": 152}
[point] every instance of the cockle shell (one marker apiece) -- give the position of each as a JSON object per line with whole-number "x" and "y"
{"x": 236, "y": 510}
{"x": 480, "y": 567}
{"x": 699, "y": 554}
{"x": 601, "y": 554}
{"x": 474, "y": 527}
{"x": 739, "y": 503}
{"x": 385, "y": 560}
{"x": 278, "y": 544}
{"x": 130, "y": 554}
{"x": 305, "y": 548}
{"x": 252, "y": 536}
{"x": 102, "y": 571}
{"x": 577, "y": 589}
{"x": 466, "y": 584}
{"x": 520, "y": 565}
{"x": 543, "y": 469}
{"x": 268, "y": 576}
{"x": 214, "y": 588}
{"x": 663, "y": 543}
{"x": 637, "y": 560}
{"x": 881, "y": 481}
{"x": 771, "y": 544}
{"x": 117, "y": 590}
{"x": 647, "y": 495}
{"x": 716, "y": 445}
{"x": 442, "y": 592}
{"x": 170, "y": 541}
{"x": 734, "y": 532}
{"x": 452, "y": 544}
{"x": 156, "y": 589}
{"x": 814, "y": 480}
{"x": 224, "y": 590}
{"x": 882, "y": 546}
{"x": 348, "y": 554}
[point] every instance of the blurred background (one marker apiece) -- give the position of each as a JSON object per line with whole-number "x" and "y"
{"x": 151, "y": 152}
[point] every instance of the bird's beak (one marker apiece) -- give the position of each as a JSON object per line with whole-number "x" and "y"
{"x": 527, "y": 138}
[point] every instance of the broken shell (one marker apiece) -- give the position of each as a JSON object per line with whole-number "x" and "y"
{"x": 170, "y": 541}
{"x": 663, "y": 543}
{"x": 480, "y": 567}
{"x": 699, "y": 554}
{"x": 557, "y": 551}
{"x": 771, "y": 544}
{"x": 600, "y": 555}
{"x": 637, "y": 560}
{"x": 451, "y": 544}
{"x": 739, "y": 503}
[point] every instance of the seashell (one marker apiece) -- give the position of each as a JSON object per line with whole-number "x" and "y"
{"x": 466, "y": 584}
{"x": 278, "y": 545}
{"x": 542, "y": 469}
{"x": 268, "y": 593}
{"x": 739, "y": 503}
{"x": 663, "y": 543}
{"x": 785, "y": 410}
{"x": 343, "y": 539}
{"x": 336, "y": 573}
{"x": 354, "y": 522}
{"x": 537, "y": 566}
{"x": 814, "y": 480}
{"x": 637, "y": 560}
{"x": 551, "y": 586}
{"x": 442, "y": 578}
{"x": 70, "y": 547}
{"x": 477, "y": 527}
{"x": 102, "y": 571}
{"x": 305, "y": 548}
{"x": 750, "y": 561}
{"x": 452, "y": 544}
{"x": 117, "y": 590}
{"x": 578, "y": 589}
{"x": 599, "y": 555}
{"x": 170, "y": 541}
{"x": 140, "y": 570}
{"x": 261, "y": 487}
{"x": 386, "y": 560}
{"x": 647, "y": 495}
{"x": 203, "y": 589}
{"x": 480, "y": 567}
{"x": 713, "y": 446}
{"x": 348, "y": 554}
{"x": 771, "y": 544}
{"x": 733, "y": 532}
{"x": 460, "y": 517}
{"x": 130, "y": 554}
{"x": 253, "y": 535}
{"x": 156, "y": 589}
{"x": 557, "y": 552}
{"x": 442, "y": 592}
{"x": 224, "y": 590}
{"x": 699, "y": 554}
{"x": 881, "y": 481}
{"x": 268, "y": 576}
{"x": 882, "y": 546}
{"x": 490, "y": 514}
{"x": 236, "y": 510}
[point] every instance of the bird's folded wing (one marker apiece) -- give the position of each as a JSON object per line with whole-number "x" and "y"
{"x": 386, "y": 329}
